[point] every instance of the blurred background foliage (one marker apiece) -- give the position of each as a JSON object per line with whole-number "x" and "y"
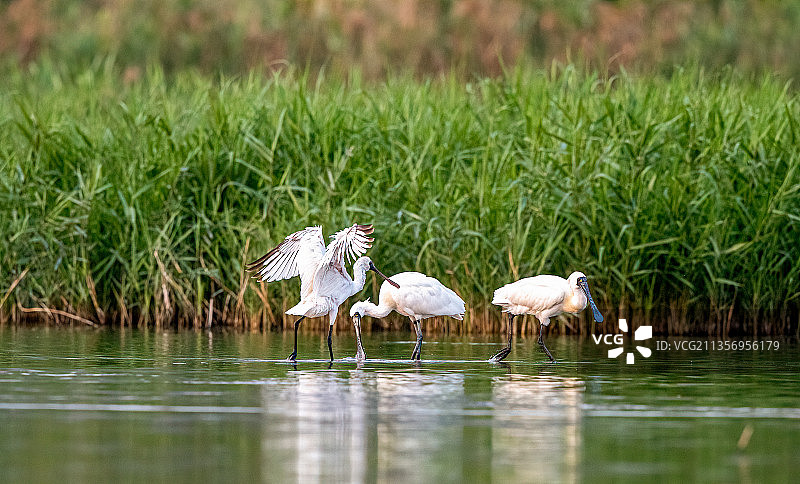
{"x": 377, "y": 37}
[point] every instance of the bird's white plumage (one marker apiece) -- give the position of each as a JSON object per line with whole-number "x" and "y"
{"x": 543, "y": 296}
{"x": 299, "y": 254}
{"x": 325, "y": 283}
{"x": 347, "y": 244}
{"x": 418, "y": 297}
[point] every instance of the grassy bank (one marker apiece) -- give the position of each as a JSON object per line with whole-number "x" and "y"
{"x": 138, "y": 203}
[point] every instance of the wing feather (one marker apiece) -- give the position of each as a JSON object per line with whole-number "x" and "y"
{"x": 347, "y": 245}
{"x": 298, "y": 254}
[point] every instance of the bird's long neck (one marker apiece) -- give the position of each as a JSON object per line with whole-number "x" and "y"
{"x": 376, "y": 310}
{"x": 359, "y": 278}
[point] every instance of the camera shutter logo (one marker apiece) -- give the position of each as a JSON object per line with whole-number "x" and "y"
{"x": 642, "y": 333}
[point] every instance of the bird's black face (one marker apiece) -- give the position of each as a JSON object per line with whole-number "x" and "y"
{"x": 373, "y": 268}
{"x": 584, "y": 285}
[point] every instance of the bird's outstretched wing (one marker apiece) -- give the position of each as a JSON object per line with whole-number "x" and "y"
{"x": 298, "y": 254}
{"x": 347, "y": 244}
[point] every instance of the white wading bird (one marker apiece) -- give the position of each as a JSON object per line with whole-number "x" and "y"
{"x": 324, "y": 282}
{"x": 418, "y": 297}
{"x": 544, "y": 297}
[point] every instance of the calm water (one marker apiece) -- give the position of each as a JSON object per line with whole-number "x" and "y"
{"x": 106, "y": 405}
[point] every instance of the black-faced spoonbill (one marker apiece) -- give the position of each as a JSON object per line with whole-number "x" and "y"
{"x": 324, "y": 282}
{"x": 543, "y": 296}
{"x": 418, "y": 297}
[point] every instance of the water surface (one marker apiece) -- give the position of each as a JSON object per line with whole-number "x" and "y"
{"x": 81, "y": 405}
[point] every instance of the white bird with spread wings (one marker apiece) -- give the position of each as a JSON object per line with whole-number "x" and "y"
{"x": 324, "y": 282}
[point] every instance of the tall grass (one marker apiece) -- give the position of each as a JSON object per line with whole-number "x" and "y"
{"x": 140, "y": 203}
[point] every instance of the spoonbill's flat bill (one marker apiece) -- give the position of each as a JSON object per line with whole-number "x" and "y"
{"x": 418, "y": 297}
{"x": 324, "y": 282}
{"x": 543, "y": 296}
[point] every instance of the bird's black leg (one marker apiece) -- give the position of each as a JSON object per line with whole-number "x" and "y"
{"x": 541, "y": 342}
{"x": 417, "y": 353}
{"x": 293, "y": 356}
{"x": 505, "y": 351}
{"x": 330, "y": 346}
{"x": 414, "y": 353}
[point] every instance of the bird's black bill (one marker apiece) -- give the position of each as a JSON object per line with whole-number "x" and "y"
{"x": 595, "y": 312}
{"x": 373, "y": 268}
{"x": 360, "y": 355}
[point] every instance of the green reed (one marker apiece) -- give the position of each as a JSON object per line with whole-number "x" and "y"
{"x": 139, "y": 203}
